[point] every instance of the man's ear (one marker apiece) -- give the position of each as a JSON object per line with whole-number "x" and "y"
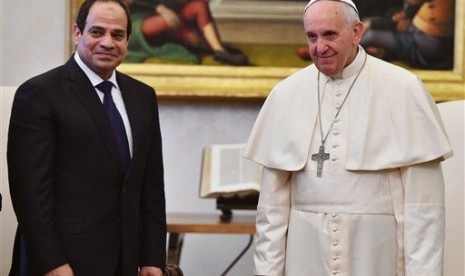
{"x": 358, "y": 30}
{"x": 76, "y": 34}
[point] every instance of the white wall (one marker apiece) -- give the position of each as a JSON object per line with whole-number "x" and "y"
{"x": 33, "y": 40}
{"x": 7, "y": 218}
{"x": 186, "y": 129}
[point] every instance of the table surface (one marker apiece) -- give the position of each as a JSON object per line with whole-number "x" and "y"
{"x": 210, "y": 223}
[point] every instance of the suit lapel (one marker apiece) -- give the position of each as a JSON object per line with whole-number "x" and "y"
{"x": 82, "y": 88}
{"x": 134, "y": 115}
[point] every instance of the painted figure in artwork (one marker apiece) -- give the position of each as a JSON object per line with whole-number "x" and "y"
{"x": 421, "y": 34}
{"x": 177, "y": 30}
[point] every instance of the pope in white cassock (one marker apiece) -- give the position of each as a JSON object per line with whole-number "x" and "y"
{"x": 351, "y": 148}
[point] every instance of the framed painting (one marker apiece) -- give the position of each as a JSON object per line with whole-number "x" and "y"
{"x": 264, "y": 23}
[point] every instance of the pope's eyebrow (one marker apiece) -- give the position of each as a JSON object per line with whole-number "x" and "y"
{"x": 329, "y": 32}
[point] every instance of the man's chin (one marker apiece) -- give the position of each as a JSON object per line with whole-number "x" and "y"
{"x": 328, "y": 71}
{"x": 105, "y": 64}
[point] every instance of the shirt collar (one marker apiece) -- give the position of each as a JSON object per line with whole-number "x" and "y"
{"x": 91, "y": 75}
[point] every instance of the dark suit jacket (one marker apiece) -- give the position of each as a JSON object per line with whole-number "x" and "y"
{"x": 73, "y": 201}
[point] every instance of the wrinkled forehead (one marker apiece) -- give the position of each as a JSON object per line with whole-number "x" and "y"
{"x": 348, "y": 2}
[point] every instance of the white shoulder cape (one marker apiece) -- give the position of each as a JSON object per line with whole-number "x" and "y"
{"x": 394, "y": 121}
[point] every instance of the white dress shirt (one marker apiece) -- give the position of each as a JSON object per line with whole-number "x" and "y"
{"x": 115, "y": 93}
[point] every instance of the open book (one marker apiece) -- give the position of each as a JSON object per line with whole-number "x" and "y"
{"x": 225, "y": 172}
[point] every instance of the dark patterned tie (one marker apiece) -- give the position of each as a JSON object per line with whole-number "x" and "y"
{"x": 116, "y": 122}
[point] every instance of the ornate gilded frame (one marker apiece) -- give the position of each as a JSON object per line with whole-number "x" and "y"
{"x": 201, "y": 82}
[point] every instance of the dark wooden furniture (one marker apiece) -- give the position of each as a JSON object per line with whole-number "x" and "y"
{"x": 180, "y": 224}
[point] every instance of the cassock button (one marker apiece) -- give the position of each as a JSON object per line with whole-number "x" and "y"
{"x": 123, "y": 189}
{"x": 335, "y": 243}
{"x": 334, "y": 215}
{"x": 334, "y": 229}
{"x": 335, "y": 272}
{"x": 334, "y": 258}
{"x": 118, "y": 221}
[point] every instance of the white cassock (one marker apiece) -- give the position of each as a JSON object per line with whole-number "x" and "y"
{"x": 378, "y": 209}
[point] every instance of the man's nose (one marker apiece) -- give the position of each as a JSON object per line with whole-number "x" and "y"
{"x": 321, "y": 45}
{"x": 106, "y": 41}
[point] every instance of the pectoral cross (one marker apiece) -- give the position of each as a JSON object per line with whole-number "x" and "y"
{"x": 320, "y": 157}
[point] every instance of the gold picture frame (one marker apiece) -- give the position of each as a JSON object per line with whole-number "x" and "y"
{"x": 203, "y": 82}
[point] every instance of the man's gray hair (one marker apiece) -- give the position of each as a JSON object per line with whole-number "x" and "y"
{"x": 350, "y": 14}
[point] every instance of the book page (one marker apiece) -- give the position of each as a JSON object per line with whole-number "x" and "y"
{"x": 229, "y": 171}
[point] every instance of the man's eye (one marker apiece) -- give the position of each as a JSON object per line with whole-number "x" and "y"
{"x": 118, "y": 36}
{"x": 95, "y": 33}
{"x": 331, "y": 36}
{"x": 312, "y": 38}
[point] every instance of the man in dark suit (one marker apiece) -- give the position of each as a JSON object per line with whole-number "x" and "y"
{"x": 88, "y": 202}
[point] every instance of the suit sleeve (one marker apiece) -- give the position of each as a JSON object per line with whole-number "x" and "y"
{"x": 30, "y": 157}
{"x": 272, "y": 222}
{"x": 153, "y": 232}
{"x": 424, "y": 215}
